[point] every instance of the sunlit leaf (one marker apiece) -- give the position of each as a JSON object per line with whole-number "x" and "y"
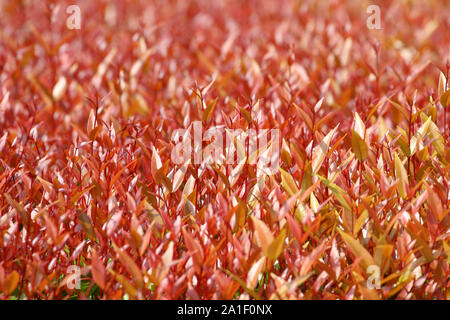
{"x": 401, "y": 174}
{"x": 359, "y": 146}
{"x": 264, "y": 236}
{"x": 358, "y": 250}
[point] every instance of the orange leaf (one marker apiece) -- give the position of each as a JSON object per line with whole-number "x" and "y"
{"x": 19, "y": 208}
{"x": 276, "y": 247}
{"x": 11, "y": 282}
{"x": 401, "y": 174}
{"x": 98, "y": 271}
{"x": 358, "y": 250}
{"x": 130, "y": 265}
{"x": 194, "y": 248}
{"x": 359, "y": 146}
{"x": 264, "y": 237}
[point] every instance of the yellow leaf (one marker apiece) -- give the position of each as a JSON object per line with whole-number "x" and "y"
{"x": 321, "y": 150}
{"x": 208, "y": 111}
{"x": 359, "y": 146}
{"x": 242, "y": 284}
{"x": 139, "y": 105}
{"x": 360, "y": 127}
{"x": 438, "y": 140}
{"x": 382, "y": 255}
{"x": 358, "y": 250}
{"x": 447, "y": 251}
{"x": 360, "y": 222}
{"x": 276, "y": 247}
{"x": 246, "y": 115}
{"x": 337, "y": 191}
{"x": 314, "y": 203}
{"x": 423, "y": 130}
{"x": 288, "y": 182}
{"x": 401, "y": 174}
{"x": 445, "y": 99}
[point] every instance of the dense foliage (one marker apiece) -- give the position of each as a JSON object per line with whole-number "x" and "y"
{"x": 87, "y": 180}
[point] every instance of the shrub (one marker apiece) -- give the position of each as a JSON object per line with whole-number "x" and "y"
{"x": 357, "y": 210}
